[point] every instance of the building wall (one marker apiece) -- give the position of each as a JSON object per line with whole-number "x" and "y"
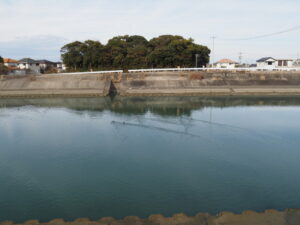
{"x": 265, "y": 65}
{"x": 296, "y": 63}
{"x": 61, "y": 66}
{"x": 286, "y": 64}
{"x": 226, "y": 65}
{"x": 17, "y": 72}
{"x": 43, "y": 66}
{"x": 11, "y": 64}
{"x": 34, "y": 67}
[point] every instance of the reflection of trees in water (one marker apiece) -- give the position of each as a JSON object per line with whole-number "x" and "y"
{"x": 163, "y": 106}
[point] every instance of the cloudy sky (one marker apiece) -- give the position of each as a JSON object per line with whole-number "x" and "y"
{"x": 39, "y": 28}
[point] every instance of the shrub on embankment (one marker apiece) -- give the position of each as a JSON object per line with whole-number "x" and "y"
{"x": 131, "y": 52}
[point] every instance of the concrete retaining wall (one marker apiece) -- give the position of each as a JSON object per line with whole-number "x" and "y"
{"x": 55, "y": 85}
{"x": 153, "y": 84}
{"x": 210, "y": 83}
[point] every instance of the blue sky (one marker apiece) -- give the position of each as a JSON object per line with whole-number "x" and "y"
{"x": 39, "y": 28}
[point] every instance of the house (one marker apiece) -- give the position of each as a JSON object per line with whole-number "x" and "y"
{"x": 12, "y": 67}
{"x": 10, "y": 62}
{"x": 271, "y": 63}
{"x": 46, "y": 63}
{"x": 30, "y": 65}
{"x": 296, "y": 63}
{"x": 284, "y": 63}
{"x": 266, "y": 63}
{"x": 60, "y": 66}
{"x": 226, "y": 64}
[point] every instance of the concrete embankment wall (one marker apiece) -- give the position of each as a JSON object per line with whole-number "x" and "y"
{"x": 54, "y": 85}
{"x": 210, "y": 83}
{"x": 153, "y": 84}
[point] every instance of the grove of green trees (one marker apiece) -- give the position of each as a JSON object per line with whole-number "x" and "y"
{"x": 134, "y": 52}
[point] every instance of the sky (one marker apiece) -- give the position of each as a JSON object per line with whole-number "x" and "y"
{"x": 39, "y": 28}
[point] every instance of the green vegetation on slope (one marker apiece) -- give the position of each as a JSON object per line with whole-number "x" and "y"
{"x": 128, "y": 52}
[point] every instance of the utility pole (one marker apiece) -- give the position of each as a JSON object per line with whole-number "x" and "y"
{"x": 197, "y": 55}
{"x": 213, "y": 49}
{"x": 240, "y": 57}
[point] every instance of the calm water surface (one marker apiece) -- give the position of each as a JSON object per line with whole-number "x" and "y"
{"x": 96, "y": 157}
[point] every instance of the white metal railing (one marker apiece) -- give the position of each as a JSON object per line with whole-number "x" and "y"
{"x": 94, "y": 72}
{"x": 207, "y": 69}
{"x": 184, "y": 69}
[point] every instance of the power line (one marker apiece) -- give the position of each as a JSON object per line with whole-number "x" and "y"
{"x": 262, "y": 36}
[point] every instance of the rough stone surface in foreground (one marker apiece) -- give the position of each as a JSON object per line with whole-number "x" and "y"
{"x": 269, "y": 217}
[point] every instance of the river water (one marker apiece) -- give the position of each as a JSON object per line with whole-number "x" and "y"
{"x": 95, "y": 157}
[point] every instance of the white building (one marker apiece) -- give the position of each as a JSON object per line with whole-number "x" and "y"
{"x": 30, "y": 65}
{"x": 271, "y": 63}
{"x": 284, "y": 63}
{"x": 266, "y": 63}
{"x": 60, "y": 66}
{"x": 296, "y": 63}
{"x": 226, "y": 64}
{"x": 44, "y": 64}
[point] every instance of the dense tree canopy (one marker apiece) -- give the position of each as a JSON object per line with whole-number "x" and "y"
{"x": 127, "y": 52}
{"x": 3, "y": 69}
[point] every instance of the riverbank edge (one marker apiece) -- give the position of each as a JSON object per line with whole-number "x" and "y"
{"x": 268, "y": 217}
{"x": 51, "y": 93}
{"x": 217, "y": 91}
{"x": 205, "y": 91}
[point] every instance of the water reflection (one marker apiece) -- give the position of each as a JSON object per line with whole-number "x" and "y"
{"x": 95, "y": 157}
{"x": 163, "y": 106}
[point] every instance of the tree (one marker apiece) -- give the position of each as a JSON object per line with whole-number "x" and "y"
{"x": 137, "y": 51}
{"x": 127, "y": 52}
{"x": 173, "y": 51}
{"x": 92, "y": 54}
{"x": 72, "y": 55}
{"x": 3, "y": 69}
{"x": 117, "y": 50}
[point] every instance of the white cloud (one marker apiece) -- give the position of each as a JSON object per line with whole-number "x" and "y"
{"x": 102, "y": 19}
